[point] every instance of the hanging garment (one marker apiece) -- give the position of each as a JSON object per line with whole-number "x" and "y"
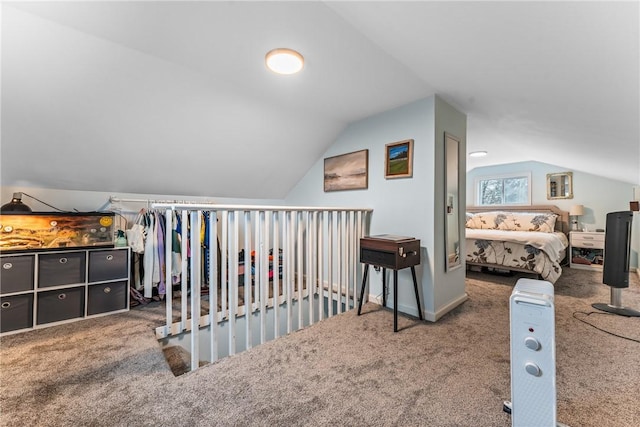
{"x": 136, "y": 261}
{"x": 135, "y": 235}
{"x": 176, "y": 248}
{"x": 205, "y": 246}
{"x": 161, "y": 224}
{"x": 156, "y": 258}
{"x": 149, "y": 255}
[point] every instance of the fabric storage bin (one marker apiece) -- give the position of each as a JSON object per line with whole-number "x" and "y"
{"x": 105, "y": 297}
{"x": 63, "y": 268}
{"x": 60, "y": 304}
{"x": 16, "y": 274}
{"x": 16, "y": 312}
{"x": 108, "y": 265}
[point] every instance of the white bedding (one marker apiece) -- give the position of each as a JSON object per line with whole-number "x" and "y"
{"x": 554, "y": 244}
{"x": 535, "y": 251}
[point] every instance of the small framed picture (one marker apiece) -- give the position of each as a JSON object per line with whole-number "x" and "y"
{"x": 399, "y": 159}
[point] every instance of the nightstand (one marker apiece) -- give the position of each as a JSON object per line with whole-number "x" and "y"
{"x": 586, "y": 250}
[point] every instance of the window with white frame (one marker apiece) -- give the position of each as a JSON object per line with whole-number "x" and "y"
{"x": 512, "y": 189}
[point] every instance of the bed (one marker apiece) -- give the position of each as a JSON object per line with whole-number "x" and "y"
{"x": 531, "y": 239}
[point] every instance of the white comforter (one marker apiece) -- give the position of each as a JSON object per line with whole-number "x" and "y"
{"x": 554, "y": 244}
{"x": 534, "y": 251}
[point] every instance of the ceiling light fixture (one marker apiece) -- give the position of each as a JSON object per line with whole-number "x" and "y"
{"x": 284, "y": 61}
{"x": 477, "y": 154}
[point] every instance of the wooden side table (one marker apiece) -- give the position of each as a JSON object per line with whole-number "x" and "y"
{"x": 586, "y": 250}
{"x": 393, "y": 252}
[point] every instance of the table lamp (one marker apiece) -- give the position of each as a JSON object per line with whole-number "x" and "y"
{"x": 575, "y": 212}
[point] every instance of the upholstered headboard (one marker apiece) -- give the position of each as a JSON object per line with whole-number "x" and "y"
{"x": 562, "y": 223}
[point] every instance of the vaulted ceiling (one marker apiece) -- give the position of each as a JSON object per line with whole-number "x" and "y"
{"x": 174, "y": 97}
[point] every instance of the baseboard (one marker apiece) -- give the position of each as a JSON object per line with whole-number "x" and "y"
{"x": 428, "y": 315}
{"x": 375, "y": 299}
{"x": 434, "y": 316}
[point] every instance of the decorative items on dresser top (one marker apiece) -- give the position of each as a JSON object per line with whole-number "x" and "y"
{"x": 59, "y": 267}
{"x": 587, "y": 249}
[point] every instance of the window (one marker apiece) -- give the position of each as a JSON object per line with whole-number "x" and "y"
{"x": 511, "y": 189}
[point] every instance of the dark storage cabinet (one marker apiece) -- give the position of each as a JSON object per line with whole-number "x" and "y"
{"x": 44, "y": 288}
{"x": 60, "y": 304}
{"x": 17, "y": 273}
{"x": 108, "y": 265}
{"x": 106, "y": 297}
{"x": 16, "y": 312}
{"x": 63, "y": 268}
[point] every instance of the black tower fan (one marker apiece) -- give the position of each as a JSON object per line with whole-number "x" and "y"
{"x": 617, "y": 251}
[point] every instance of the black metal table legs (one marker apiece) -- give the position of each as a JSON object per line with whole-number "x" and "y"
{"x": 395, "y": 293}
{"x": 364, "y": 284}
{"x": 415, "y": 288}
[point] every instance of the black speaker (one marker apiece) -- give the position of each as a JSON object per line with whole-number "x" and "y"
{"x": 617, "y": 249}
{"x": 617, "y": 253}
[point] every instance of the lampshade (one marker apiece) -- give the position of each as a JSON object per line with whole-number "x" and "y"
{"x": 15, "y": 205}
{"x": 576, "y": 210}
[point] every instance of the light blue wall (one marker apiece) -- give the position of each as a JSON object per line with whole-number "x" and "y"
{"x": 406, "y": 206}
{"x": 599, "y": 195}
{"x": 449, "y": 120}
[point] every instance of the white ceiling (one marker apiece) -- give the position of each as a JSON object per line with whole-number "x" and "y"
{"x": 108, "y": 96}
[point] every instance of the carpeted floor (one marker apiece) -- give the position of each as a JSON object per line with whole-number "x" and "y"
{"x": 347, "y": 370}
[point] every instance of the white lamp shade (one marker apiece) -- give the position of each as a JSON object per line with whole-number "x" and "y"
{"x": 576, "y": 210}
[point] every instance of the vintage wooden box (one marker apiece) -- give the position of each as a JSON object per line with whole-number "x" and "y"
{"x": 390, "y": 251}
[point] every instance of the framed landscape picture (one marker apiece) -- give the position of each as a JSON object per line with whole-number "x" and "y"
{"x": 346, "y": 171}
{"x": 399, "y": 159}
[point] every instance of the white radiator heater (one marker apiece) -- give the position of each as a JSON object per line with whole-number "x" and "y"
{"x": 533, "y": 355}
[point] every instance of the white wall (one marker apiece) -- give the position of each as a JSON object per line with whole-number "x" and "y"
{"x": 86, "y": 201}
{"x": 409, "y": 206}
{"x": 599, "y": 195}
{"x": 406, "y": 207}
{"x": 452, "y": 121}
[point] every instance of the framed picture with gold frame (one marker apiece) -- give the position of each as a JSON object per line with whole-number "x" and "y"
{"x": 399, "y": 159}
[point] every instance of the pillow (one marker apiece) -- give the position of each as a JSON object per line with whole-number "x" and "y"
{"x": 528, "y": 221}
{"x": 486, "y": 220}
{"x": 469, "y": 216}
{"x": 512, "y": 221}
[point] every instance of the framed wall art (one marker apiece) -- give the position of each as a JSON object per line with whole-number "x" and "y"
{"x": 347, "y": 171}
{"x": 399, "y": 159}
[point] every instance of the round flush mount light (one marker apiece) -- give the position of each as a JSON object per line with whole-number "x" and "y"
{"x": 284, "y": 61}
{"x": 477, "y": 154}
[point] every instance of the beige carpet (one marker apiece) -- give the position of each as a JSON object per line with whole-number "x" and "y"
{"x": 348, "y": 370}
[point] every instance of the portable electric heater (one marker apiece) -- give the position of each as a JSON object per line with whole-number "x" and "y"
{"x": 533, "y": 355}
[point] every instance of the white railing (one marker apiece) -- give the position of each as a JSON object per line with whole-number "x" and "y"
{"x": 305, "y": 268}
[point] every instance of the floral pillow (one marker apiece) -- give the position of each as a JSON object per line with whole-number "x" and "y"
{"x": 513, "y": 221}
{"x": 530, "y": 221}
{"x": 486, "y": 220}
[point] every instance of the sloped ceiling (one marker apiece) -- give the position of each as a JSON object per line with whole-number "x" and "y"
{"x": 174, "y": 98}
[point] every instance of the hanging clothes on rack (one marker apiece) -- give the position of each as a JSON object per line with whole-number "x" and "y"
{"x": 176, "y": 250}
{"x": 160, "y": 226}
{"x": 149, "y": 255}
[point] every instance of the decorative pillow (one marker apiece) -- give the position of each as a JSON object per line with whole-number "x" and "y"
{"x": 486, "y": 220}
{"x": 469, "y": 217}
{"x": 528, "y": 221}
{"x": 512, "y": 221}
